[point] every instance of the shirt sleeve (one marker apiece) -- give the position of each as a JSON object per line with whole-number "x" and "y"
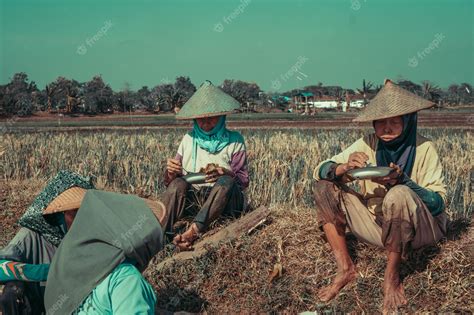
{"x": 343, "y": 157}
{"x": 433, "y": 200}
{"x": 12, "y": 270}
{"x": 239, "y": 164}
{"x": 430, "y": 186}
{"x": 15, "y": 250}
{"x": 430, "y": 175}
{"x": 179, "y": 157}
{"x": 131, "y": 294}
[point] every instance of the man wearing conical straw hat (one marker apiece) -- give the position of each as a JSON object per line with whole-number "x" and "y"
{"x": 399, "y": 211}
{"x": 214, "y": 151}
{"x": 106, "y": 240}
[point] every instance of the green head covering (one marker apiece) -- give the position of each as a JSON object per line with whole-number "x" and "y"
{"x": 208, "y": 101}
{"x": 33, "y": 217}
{"x": 109, "y": 228}
{"x": 212, "y": 141}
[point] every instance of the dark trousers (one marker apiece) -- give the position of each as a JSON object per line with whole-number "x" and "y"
{"x": 225, "y": 197}
{"x": 17, "y": 298}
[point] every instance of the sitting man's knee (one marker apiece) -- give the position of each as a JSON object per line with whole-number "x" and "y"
{"x": 323, "y": 186}
{"x": 397, "y": 194}
{"x": 177, "y": 185}
{"x": 225, "y": 181}
{"x": 395, "y": 200}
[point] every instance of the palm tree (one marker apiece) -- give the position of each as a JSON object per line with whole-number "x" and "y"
{"x": 430, "y": 91}
{"x": 366, "y": 89}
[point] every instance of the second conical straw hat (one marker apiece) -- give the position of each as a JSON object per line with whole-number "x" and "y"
{"x": 392, "y": 101}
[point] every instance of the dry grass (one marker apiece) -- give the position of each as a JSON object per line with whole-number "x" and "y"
{"x": 235, "y": 277}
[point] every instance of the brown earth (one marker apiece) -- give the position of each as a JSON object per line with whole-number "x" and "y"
{"x": 236, "y": 276}
{"x": 338, "y": 120}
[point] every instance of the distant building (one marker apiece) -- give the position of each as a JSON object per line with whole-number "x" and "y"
{"x": 330, "y": 102}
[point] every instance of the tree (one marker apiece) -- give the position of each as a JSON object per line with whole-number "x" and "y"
{"x": 244, "y": 92}
{"x": 17, "y": 96}
{"x": 430, "y": 91}
{"x": 465, "y": 93}
{"x": 169, "y": 96}
{"x": 145, "y": 99}
{"x": 410, "y": 86}
{"x": 98, "y": 96}
{"x": 183, "y": 89}
{"x": 63, "y": 93}
{"x": 126, "y": 99}
{"x": 367, "y": 88}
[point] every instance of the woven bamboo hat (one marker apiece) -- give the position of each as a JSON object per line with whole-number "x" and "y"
{"x": 392, "y": 101}
{"x": 208, "y": 101}
{"x": 158, "y": 209}
{"x": 71, "y": 199}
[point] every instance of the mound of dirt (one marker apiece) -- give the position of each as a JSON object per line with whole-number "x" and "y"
{"x": 239, "y": 277}
{"x": 244, "y": 275}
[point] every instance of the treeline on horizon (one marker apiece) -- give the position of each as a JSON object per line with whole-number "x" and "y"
{"x": 22, "y": 97}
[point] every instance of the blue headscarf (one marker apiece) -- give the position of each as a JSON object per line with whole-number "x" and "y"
{"x": 401, "y": 150}
{"x": 212, "y": 141}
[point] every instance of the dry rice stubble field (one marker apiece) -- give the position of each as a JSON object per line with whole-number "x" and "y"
{"x": 235, "y": 277}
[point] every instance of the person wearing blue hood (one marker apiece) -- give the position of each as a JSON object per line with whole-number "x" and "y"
{"x": 401, "y": 211}
{"x": 212, "y": 149}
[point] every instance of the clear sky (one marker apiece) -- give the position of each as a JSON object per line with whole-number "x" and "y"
{"x": 279, "y": 44}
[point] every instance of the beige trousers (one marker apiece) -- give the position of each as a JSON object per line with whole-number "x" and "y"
{"x": 406, "y": 223}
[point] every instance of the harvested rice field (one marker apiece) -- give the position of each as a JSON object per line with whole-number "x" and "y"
{"x": 236, "y": 277}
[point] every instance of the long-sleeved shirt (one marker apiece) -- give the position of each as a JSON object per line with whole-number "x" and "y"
{"x": 27, "y": 258}
{"x": 17, "y": 271}
{"x": 233, "y": 157}
{"x": 426, "y": 180}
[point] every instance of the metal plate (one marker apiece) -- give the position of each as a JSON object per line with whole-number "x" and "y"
{"x": 370, "y": 172}
{"x": 195, "y": 178}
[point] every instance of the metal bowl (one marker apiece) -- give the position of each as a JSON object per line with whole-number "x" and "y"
{"x": 195, "y": 178}
{"x": 370, "y": 172}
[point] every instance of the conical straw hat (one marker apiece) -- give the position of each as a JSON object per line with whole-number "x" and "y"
{"x": 392, "y": 101}
{"x": 158, "y": 209}
{"x": 69, "y": 199}
{"x": 208, "y": 101}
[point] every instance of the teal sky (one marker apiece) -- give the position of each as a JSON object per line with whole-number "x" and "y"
{"x": 336, "y": 42}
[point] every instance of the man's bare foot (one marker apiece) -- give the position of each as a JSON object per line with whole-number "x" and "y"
{"x": 342, "y": 278}
{"x": 394, "y": 294}
{"x": 185, "y": 241}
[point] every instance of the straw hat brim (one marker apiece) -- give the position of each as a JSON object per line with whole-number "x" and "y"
{"x": 205, "y": 115}
{"x": 392, "y": 101}
{"x": 71, "y": 199}
{"x": 208, "y": 101}
{"x": 68, "y": 200}
{"x": 158, "y": 209}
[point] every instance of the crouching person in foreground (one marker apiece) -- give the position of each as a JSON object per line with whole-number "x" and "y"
{"x": 214, "y": 150}
{"x": 399, "y": 212}
{"x": 24, "y": 262}
{"x": 97, "y": 268}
